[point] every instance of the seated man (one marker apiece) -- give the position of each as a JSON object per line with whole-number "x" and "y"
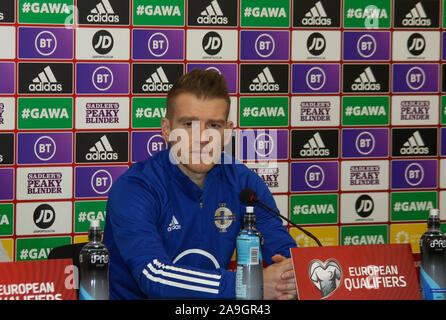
{"x": 172, "y": 220}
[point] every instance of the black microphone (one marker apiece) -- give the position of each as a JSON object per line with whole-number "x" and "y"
{"x": 248, "y": 196}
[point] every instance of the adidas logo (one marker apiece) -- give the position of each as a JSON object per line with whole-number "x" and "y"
{"x": 157, "y": 82}
{"x": 174, "y": 225}
{"x": 103, "y": 12}
{"x": 417, "y": 17}
{"x": 264, "y": 82}
{"x": 212, "y": 15}
{"x": 315, "y": 147}
{"x": 102, "y": 150}
{"x": 45, "y": 81}
{"x": 414, "y": 145}
{"x": 366, "y": 81}
{"x": 316, "y": 16}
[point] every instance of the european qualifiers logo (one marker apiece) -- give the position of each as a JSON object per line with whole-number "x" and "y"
{"x": 108, "y": 12}
{"x": 314, "y": 144}
{"x": 271, "y": 78}
{"x": 95, "y": 147}
{"x": 155, "y": 78}
{"x": 6, "y": 148}
{"x": 317, "y": 13}
{"x": 414, "y": 142}
{"x": 215, "y": 13}
{"x": 7, "y": 11}
{"x": 416, "y": 14}
{"x": 359, "y": 78}
{"x": 45, "y": 78}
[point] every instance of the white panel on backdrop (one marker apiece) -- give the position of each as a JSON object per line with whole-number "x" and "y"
{"x": 365, "y": 175}
{"x": 273, "y": 174}
{"x": 7, "y": 113}
{"x": 316, "y": 45}
{"x": 215, "y": 45}
{"x": 36, "y": 218}
{"x": 364, "y": 207}
{"x": 315, "y": 111}
{"x": 102, "y": 113}
{"x": 414, "y": 110}
{"x": 7, "y": 39}
{"x": 35, "y": 183}
{"x": 416, "y": 45}
{"x": 102, "y": 43}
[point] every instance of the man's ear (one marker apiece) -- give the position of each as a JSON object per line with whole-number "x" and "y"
{"x": 165, "y": 129}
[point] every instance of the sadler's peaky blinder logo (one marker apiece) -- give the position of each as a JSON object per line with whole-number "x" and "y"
{"x": 223, "y": 217}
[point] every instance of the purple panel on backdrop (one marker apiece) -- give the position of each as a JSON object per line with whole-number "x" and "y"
{"x": 414, "y": 174}
{"x": 102, "y": 78}
{"x": 228, "y": 70}
{"x": 54, "y": 147}
{"x": 96, "y": 181}
{"x": 158, "y": 44}
{"x": 46, "y": 43}
{"x": 7, "y": 79}
{"x": 365, "y": 143}
{"x": 314, "y": 176}
{"x": 415, "y": 78}
{"x": 315, "y": 78}
{"x": 443, "y": 141}
{"x": 366, "y": 45}
{"x": 263, "y": 144}
{"x": 146, "y": 144}
{"x": 7, "y": 184}
{"x": 264, "y": 45}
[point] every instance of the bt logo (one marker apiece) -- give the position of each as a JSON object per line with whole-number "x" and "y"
{"x": 102, "y": 78}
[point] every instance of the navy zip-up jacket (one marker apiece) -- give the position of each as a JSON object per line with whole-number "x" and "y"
{"x": 168, "y": 238}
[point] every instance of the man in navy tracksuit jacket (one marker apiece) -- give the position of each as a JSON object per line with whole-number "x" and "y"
{"x": 171, "y": 224}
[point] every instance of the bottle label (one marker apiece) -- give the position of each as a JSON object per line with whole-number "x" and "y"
{"x": 240, "y": 287}
{"x": 248, "y": 250}
{"x": 83, "y": 294}
{"x": 430, "y": 289}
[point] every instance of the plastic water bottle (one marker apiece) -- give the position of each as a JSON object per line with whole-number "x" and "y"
{"x": 249, "y": 274}
{"x": 433, "y": 260}
{"x": 94, "y": 259}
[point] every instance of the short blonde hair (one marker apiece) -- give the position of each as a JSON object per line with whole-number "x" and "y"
{"x": 204, "y": 84}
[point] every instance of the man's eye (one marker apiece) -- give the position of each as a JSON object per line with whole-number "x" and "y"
{"x": 215, "y": 125}
{"x": 187, "y": 124}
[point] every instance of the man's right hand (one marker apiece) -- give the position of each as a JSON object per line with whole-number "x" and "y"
{"x": 278, "y": 280}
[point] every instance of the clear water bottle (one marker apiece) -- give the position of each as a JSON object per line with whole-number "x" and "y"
{"x": 94, "y": 259}
{"x": 433, "y": 260}
{"x": 249, "y": 273}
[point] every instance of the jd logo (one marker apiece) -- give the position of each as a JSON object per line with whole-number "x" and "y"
{"x": 316, "y": 44}
{"x": 364, "y": 206}
{"x": 212, "y": 43}
{"x": 44, "y": 216}
{"x": 416, "y": 44}
{"x": 102, "y": 42}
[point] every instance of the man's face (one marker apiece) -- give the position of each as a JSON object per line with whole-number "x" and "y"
{"x": 197, "y": 131}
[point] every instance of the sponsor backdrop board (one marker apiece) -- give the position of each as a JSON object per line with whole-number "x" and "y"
{"x": 338, "y": 105}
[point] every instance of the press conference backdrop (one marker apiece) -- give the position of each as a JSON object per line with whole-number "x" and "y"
{"x": 347, "y": 99}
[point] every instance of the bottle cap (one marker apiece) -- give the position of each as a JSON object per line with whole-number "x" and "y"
{"x": 434, "y": 212}
{"x": 94, "y": 224}
{"x": 249, "y": 209}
